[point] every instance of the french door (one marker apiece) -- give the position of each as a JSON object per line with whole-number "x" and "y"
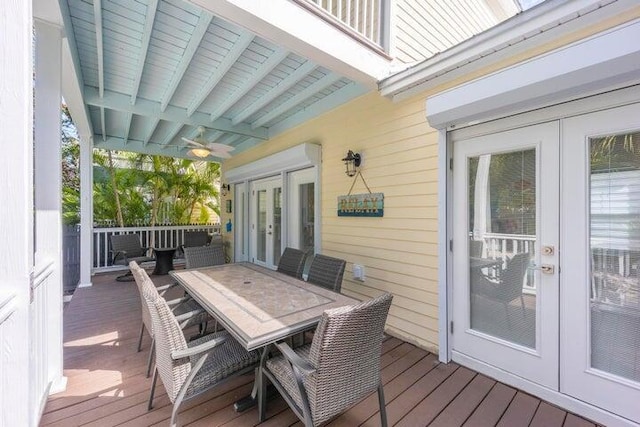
{"x": 266, "y": 221}
{"x": 546, "y": 255}
{"x": 600, "y": 292}
{"x": 505, "y": 238}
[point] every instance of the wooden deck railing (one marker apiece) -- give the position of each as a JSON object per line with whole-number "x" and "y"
{"x": 367, "y": 20}
{"x": 162, "y": 236}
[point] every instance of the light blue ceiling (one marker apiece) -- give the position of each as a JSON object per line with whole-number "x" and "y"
{"x": 153, "y": 70}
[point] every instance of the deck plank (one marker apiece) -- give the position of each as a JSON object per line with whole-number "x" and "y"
{"x": 489, "y": 412}
{"x": 520, "y": 411}
{"x": 576, "y": 421}
{"x": 107, "y": 384}
{"x": 548, "y": 416}
{"x": 457, "y": 412}
{"x": 427, "y": 410}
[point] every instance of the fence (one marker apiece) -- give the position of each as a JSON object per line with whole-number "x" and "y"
{"x": 70, "y": 258}
{"x": 151, "y": 237}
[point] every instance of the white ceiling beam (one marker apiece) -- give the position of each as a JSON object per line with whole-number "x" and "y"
{"x": 144, "y": 49}
{"x": 265, "y": 68}
{"x": 311, "y": 90}
{"x": 137, "y": 146}
{"x": 171, "y": 134}
{"x": 216, "y": 75}
{"x": 194, "y": 42}
{"x": 72, "y": 79}
{"x": 103, "y": 123}
{"x": 97, "y": 17}
{"x": 286, "y": 24}
{"x": 286, "y": 84}
{"x": 127, "y": 126}
{"x": 151, "y": 130}
{"x": 146, "y": 108}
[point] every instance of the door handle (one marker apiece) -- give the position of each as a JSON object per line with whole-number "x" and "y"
{"x": 269, "y": 233}
{"x": 544, "y": 268}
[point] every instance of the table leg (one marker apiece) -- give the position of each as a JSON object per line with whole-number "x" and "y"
{"x": 251, "y": 400}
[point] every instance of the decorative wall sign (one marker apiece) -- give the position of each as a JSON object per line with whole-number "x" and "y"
{"x": 368, "y": 204}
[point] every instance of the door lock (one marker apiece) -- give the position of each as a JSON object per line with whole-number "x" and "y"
{"x": 548, "y": 250}
{"x": 544, "y": 268}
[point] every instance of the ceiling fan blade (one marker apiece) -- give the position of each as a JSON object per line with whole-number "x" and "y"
{"x": 192, "y": 142}
{"x": 220, "y": 147}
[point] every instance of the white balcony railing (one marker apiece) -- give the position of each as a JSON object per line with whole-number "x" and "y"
{"x": 368, "y": 20}
{"x": 162, "y": 236}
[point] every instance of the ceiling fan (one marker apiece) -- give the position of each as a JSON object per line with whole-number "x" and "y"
{"x": 201, "y": 148}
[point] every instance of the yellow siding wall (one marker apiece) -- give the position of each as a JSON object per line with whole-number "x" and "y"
{"x": 399, "y": 251}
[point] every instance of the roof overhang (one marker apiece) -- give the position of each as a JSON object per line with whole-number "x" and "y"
{"x": 506, "y": 43}
{"x": 288, "y": 24}
{"x": 602, "y": 62}
{"x": 142, "y": 76}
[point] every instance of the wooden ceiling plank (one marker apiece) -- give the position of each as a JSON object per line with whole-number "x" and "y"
{"x": 151, "y": 130}
{"x": 311, "y": 90}
{"x": 194, "y": 42}
{"x": 286, "y": 84}
{"x": 267, "y": 67}
{"x": 146, "y": 38}
{"x": 238, "y": 48}
{"x": 97, "y": 17}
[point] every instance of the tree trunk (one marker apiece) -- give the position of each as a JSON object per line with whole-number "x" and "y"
{"x": 112, "y": 173}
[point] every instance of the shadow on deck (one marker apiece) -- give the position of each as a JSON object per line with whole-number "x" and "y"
{"x": 107, "y": 384}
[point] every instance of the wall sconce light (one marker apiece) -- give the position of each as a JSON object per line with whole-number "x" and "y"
{"x": 352, "y": 161}
{"x": 224, "y": 189}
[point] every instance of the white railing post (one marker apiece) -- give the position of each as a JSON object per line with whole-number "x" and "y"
{"x": 86, "y": 209}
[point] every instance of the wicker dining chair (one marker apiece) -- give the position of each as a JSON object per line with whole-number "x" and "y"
{"x": 188, "y": 310}
{"x": 190, "y": 369}
{"x": 339, "y": 368}
{"x": 195, "y": 238}
{"x": 292, "y": 262}
{"x": 126, "y": 248}
{"x": 203, "y": 256}
{"x": 327, "y": 272}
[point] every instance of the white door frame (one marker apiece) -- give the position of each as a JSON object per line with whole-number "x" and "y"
{"x": 540, "y": 363}
{"x": 603, "y": 101}
{"x": 267, "y": 185}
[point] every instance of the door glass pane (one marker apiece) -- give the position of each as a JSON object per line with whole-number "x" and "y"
{"x": 261, "y": 232}
{"x": 277, "y": 224}
{"x": 502, "y": 236}
{"x": 615, "y": 254}
{"x": 306, "y": 217}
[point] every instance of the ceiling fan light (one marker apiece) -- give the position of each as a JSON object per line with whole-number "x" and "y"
{"x": 200, "y": 152}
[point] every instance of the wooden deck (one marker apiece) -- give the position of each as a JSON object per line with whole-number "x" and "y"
{"x": 107, "y": 384}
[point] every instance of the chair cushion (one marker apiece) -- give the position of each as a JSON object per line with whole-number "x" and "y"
{"x": 223, "y": 361}
{"x": 281, "y": 369}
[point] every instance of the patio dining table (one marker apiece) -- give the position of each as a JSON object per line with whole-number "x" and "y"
{"x": 258, "y": 306}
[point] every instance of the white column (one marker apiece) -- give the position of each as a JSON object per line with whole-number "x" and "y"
{"x": 16, "y": 215}
{"x": 86, "y": 210}
{"x": 48, "y": 192}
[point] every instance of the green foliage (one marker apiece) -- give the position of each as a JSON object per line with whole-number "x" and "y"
{"x": 151, "y": 189}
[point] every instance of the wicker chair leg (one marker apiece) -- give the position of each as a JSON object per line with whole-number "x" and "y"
{"x": 152, "y": 352}
{"x": 140, "y": 338}
{"x": 153, "y": 389}
{"x": 383, "y": 407}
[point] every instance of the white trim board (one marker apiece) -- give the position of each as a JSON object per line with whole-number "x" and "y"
{"x": 596, "y": 64}
{"x": 298, "y": 157}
